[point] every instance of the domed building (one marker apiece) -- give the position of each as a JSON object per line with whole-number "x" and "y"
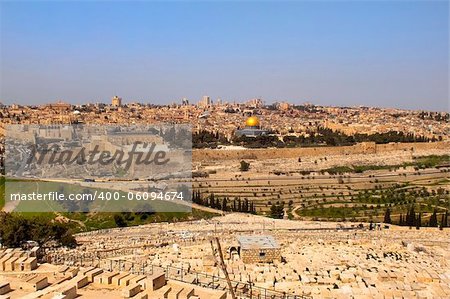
{"x": 252, "y": 128}
{"x": 252, "y": 122}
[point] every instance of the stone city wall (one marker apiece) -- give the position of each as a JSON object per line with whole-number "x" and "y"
{"x": 286, "y": 153}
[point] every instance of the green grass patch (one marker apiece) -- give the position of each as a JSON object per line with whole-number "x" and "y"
{"x": 421, "y": 162}
{"x": 331, "y": 212}
{"x": 339, "y": 170}
{"x": 431, "y": 161}
{"x": 88, "y": 221}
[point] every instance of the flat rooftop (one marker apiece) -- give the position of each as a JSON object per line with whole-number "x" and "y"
{"x": 257, "y": 242}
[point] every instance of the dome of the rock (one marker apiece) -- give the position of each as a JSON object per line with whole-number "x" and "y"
{"x": 252, "y": 121}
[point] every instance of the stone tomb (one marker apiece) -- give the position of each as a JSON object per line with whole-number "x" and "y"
{"x": 259, "y": 249}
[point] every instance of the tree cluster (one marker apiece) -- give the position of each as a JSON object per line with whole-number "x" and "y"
{"x": 15, "y": 230}
{"x": 316, "y": 136}
{"x": 413, "y": 219}
{"x": 206, "y": 139}
{"x": 224, "y": 203}
{"x": 244, "y": 166}
{"x": 277, "y": 210}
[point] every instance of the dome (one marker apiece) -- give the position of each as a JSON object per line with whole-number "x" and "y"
{"x": 252, "y": 121}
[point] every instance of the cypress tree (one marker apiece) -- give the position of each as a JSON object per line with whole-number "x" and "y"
{"x": 406, "y": 220}
{"x": 411, "y": 218}
{"x": 419, "y": 221}
{"x": 446, "y": 219}
{"x": 387, "y": 216}
{"x": 225, "y": 204}
{"x": 433, "y": 219}
{"x": 199, "y": 198}
{"x": 194, "y": 196}
{"x": 212, "y": 202}
{"x": 218, "y": 204}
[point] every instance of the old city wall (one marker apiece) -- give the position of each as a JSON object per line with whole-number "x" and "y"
{"x": 360, "y": 148}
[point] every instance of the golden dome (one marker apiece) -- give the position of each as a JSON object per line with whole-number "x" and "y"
{"x": 252, "y": 121}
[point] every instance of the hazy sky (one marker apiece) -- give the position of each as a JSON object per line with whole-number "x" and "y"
{"x": 383, "y": 53}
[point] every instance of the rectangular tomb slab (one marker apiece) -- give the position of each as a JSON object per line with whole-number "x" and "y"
{"x": 131, "y": 290}
{"x": 126, "y": 280}
{"x": 160, "y": 293}
{"x": 19, "y": 264}
{"x": 9, "y": 264}
{"x": 81, "y": 281}
{"x": 36, "y": 283}
{"x": 34, "y": 251}
{"x": 72, "y": 272}
{"x": 86, "y": 270}
{"x": 116, "y": 279}
{"x": 3, "y": 261}
{"x": 187, "y": 293}
{"x": 154, "y": 282}
{"x": 175, "y": 293}
{"x": 93, "y": 273}
{"x": 137, "y": 279}
{"x": 106, "y": 278}
{"x": 30, "y": 264}
{"x": 67, "y": 292}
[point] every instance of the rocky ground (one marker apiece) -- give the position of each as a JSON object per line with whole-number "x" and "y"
{"x": 322, "y": 260}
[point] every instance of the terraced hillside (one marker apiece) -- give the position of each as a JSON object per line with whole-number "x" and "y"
{"x": 359, "y": 193}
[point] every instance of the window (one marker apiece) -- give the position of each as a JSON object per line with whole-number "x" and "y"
{"x": 262, "y": 254}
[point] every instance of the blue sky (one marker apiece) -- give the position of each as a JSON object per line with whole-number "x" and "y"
{"x": 381, "y": 53}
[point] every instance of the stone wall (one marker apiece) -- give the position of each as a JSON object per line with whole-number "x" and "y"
{"x": 250, "y": 256}
{"x": 285, "y": 153}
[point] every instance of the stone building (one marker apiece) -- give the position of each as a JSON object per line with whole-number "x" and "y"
{"x": 59, "y": 106}
{"x": 116, "y": 101}
{"x": 258, "y": 249}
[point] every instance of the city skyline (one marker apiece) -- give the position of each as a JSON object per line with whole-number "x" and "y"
{"x": 198, "y": 102}
{"x": 380, "y": 54}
